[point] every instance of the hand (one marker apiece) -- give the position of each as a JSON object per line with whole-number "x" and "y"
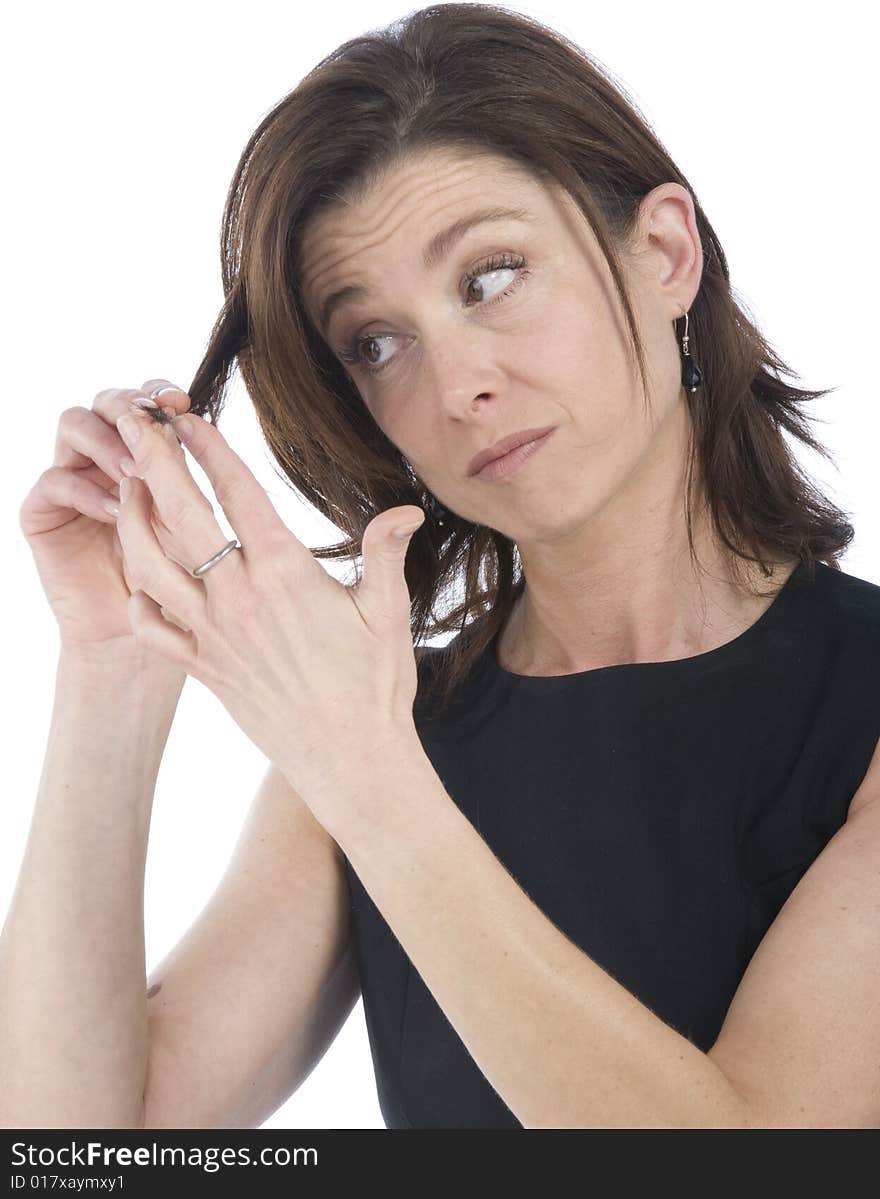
{"x": 313, "y": 671}
{"x": 72, "y": 535}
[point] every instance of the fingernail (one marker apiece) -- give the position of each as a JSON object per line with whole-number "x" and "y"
{"x": 129, "y": 429}
{"x": 124, "y": 489}
{"x": 110, "y": 505}
{"x": 128, "y": 466}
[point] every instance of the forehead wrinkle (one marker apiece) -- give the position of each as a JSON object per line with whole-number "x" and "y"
{"x": 441, "y": 243}
{"x": 433, "y": 253}
{"x": 408, "y": 186}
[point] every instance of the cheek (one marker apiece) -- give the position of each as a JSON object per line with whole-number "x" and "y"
{"x": 571, "y": 359}
{"x": 402, "y": 430}
{"x": 581, "y": 346}
{"x": 562, "y": 331}
{"x": 562, "y": 352}
{"x": 386, "y": 415}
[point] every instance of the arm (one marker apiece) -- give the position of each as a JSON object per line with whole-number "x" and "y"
{"x": 561, "y": 1041}
{"x": 241, "y": 1009}
{"x": 73, "y": 1007}
{"x": 801, "y": 1038}
{"x": 255, "y": 992}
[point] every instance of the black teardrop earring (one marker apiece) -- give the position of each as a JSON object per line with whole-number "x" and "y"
{"x": 437, "y": 511}
{"x": 691, "y": 375}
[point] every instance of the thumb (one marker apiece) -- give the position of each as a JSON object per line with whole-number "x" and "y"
{"x": 384, "y": 544}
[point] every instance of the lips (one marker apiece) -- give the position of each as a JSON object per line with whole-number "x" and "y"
{"x": 504, "y": 446}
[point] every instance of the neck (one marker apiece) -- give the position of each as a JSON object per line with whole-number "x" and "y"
{"x": 624, "y": 588}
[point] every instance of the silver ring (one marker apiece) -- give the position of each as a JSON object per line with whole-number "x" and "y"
{"x": 227, "y": 549}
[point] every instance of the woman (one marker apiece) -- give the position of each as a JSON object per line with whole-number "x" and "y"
{"x": 462, "y": 274}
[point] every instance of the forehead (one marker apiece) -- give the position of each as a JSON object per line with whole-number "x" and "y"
{"x": 412, "y": 200}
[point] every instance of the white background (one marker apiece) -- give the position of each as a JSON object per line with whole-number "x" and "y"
{"x": 122, "y": 126}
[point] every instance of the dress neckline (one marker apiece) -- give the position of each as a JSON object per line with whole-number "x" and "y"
{"x": 739, "y": 644}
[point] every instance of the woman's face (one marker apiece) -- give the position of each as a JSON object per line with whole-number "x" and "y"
{"x": 512, "y": 325}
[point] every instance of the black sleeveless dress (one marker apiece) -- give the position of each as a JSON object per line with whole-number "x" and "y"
{"x": 658, "y": 813}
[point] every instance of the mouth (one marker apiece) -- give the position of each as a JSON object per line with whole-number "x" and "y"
{"x": 503, "y": 447}
{"x": 504, "y": 465}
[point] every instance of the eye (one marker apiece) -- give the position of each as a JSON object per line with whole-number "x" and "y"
{"x": 493, "y": 266}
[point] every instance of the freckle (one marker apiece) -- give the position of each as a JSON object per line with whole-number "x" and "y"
{"x": 154, "y": 990}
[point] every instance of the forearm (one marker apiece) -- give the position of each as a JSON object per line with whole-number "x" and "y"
{"x": 73, "y": 1007}
{"x": 561, "y": 1041}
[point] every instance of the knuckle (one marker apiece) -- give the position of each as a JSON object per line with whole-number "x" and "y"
{"x": 149, "y": 579}
{"x": 228, "y": 491}
{"x": 49, "y": 475}
{"x": 145, "y": 454}
{"x": 173, "y": 502}
{"x": 134, "y": 577}
{"x": 270, "y": 574}
{"x": 239, "y": 577}
{"x": 115, "y": 400}
{"x": 105, "y": 398}
{"x": 71, "y": 417}
{"x": 106, "y": 393}
{"x": 176, "y": 510}
{"x": 265, "y": 578}
{"x": 25, "y": 504}
{"x": 235, "y": 604}
{"x": 157, "y": 384}
{"x": 185, "y": 506}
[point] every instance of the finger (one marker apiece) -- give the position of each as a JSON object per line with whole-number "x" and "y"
{"x": 84, "y": 438}
{"x": 240, "y": 495}
{"x": 60, "y": 495}
{"x": 149, "y": 567}
{"x": 166, "y": 394}
{"x": 384, "y": 545}
{"x": 73, "y": 442}
{"x": 107, "y": 405}
{"x": 179, "y": 503}
{"x": 158, "y": 632}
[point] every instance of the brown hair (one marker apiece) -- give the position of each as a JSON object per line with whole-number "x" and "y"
{"x": 483, "y": 79}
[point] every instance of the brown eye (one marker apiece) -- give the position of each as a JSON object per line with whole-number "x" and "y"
{"x": 359, "y": 354}
{"x": 365, "y": 345}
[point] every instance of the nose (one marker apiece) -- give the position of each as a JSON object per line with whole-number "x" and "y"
{"x": 458, "y": 368}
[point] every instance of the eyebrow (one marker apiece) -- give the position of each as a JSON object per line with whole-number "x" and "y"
{"x": 440, "y": 245}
